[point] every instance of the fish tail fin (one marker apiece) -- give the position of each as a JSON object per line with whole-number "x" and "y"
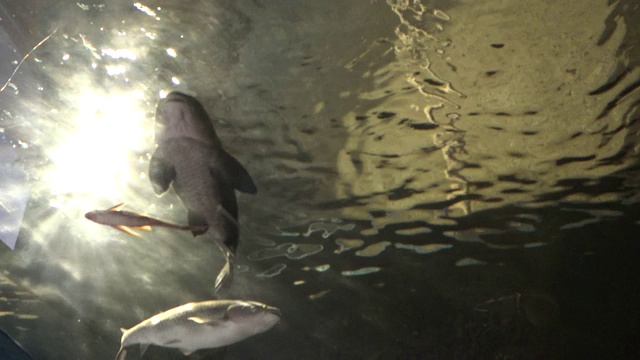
{"x": 225, "y": 276}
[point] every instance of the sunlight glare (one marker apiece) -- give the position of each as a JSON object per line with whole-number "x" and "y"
{"x": 94, "y": 159}
{"x": 115, "y": 70}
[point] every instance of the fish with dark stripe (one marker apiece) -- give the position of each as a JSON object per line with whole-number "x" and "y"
{"x": 201, "y": 325}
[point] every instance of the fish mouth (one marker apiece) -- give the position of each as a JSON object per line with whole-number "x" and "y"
{"x": 176, "y": 97}
{"x": 273, "y": 310}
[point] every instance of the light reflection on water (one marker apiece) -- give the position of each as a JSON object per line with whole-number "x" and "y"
{"x": 447, "y": 155}
{"x": 94, "y": 157}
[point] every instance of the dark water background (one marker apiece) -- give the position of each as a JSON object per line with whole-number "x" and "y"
{"x": 437, "y": 179}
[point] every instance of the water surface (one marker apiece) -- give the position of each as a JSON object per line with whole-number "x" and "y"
{"x": 437, "y": 179}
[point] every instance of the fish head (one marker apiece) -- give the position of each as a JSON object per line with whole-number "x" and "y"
{"x": 251, "y": 317}
{"x": 93, "y": 215}
{"x": 128, "y": 338}
{"x": 179, "y": 115}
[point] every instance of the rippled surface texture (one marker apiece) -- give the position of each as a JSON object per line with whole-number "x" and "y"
{"x": 437, "y": 179}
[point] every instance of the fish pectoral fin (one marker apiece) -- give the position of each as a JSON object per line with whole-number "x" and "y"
{"x": 239, "y": 176}
{"x": 187, "y": 352}
{"x": 198, "y": 222}
{"x": 122, "y": 354}
{"x": 143, "y": 228}
{"x": 143, "y": 349}
{"x": 172, "y": 342}
{"x": 127, "y": 230}
{"x": 204, "y": 321}
{"x": 161, "y": 172}
{"x": 116, "y": 208}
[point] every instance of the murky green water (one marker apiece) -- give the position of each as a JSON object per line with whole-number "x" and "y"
{"x": 437, "y": 179}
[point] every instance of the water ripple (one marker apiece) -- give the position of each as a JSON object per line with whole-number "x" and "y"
{"x": 290, "y": 250}
{"x": 273, "y": 271}
{"x": 361, "y": 271}
{"x": 424, "y": 249}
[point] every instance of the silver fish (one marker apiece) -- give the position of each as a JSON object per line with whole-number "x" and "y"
{"x": 191, "y": 159}
{"x": 126, "y": 221}
{"x": 201, "y": 325}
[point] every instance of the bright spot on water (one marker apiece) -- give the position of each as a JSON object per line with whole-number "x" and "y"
{"x": 175, "y": 80}
{"x": 374, "y": 249}
{"x": 322, "y": 268}
{"x": 144, "y": 9}
{"x": 348, "y": 244}
{"x": 148, "y": 34}
{"x": 318, "y": 294}
{"x": 93, "y": 157}
{"x": 115, "y": 70}
{"x": 65, "y": 57}
{"x": 361, "y": 271}
{"x": 413, "y": 231}
{"x": 534, "y": 245}
{"x": 119, "y": 53}
{"x": 172, "y": 52}
{"x": 424, "y": 249}
{"x": 470, "y": 262}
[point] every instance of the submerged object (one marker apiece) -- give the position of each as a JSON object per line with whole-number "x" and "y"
{"x": 11, "y": 349}
{"x": 191, "y": 159}
{"x": 201, "y": 325}
{"x": 126, "y": 220}
{"x": 15, "y": 193}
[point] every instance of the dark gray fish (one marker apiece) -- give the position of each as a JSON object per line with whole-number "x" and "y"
{"x": 201, "y": 325}
{"x": 191, "y": 159}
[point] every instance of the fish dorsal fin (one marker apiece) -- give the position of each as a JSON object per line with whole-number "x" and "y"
{"x": 143, "y": 349}
{"x": 127, "y": 230}
{"x": 116, "y": 208}
{"x": 203, "y": 320}
{"x": 239, "y": 176}
{"x": 123, "y": 330}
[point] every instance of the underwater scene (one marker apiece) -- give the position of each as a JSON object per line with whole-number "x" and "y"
{"x": 319, "y": 179}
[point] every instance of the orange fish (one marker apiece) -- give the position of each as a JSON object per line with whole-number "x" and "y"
{"x": 125, "y": 221}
